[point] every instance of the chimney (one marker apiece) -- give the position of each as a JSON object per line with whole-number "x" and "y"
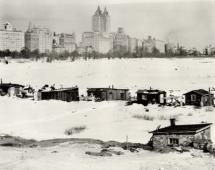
{"x": 172, "y": 122}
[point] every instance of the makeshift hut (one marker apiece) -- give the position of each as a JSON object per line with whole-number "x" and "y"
{"x": 151, "y": 96}
{"x": 11, "y": 89}
{"x": 199, "y": 97}
{"x": 185, "y": 135}
{"x": 108, "y": 93}
{"x": 64, "y": 94}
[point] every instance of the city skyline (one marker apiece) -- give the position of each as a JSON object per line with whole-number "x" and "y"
{"x": 189, "y": 23}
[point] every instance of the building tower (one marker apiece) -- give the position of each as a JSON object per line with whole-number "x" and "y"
{"x": 97, "y": 20}
{"x": 101, "y": 21}
{"x": 99, "y": 39}
{"x": 29, "y": 26}
{"x": 105, "y": 21}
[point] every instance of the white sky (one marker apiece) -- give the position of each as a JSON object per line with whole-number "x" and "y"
{"x": 189, "y": 22}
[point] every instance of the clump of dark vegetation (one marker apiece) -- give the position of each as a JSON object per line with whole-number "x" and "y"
{"x": 143, "y": 116}
{"x": 25, "y": 53}
{"x": 14, "y": 141}
{"x": 73, "y": 130}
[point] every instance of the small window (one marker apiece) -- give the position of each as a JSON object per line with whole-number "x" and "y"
{"x": 193, "y": 97}
{"x": 173, "y": 141}
{"x": 144, "y": 97}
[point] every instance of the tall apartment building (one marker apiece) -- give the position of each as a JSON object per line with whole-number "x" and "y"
{"x": 149, "y": 44}
{"x": 132, "y": 45}
{"x": 88, "y": 39}
{"x": 64, "y": 42}
{"x": 101, "y": 21}
{"x": 170, "y": 48}
{"x": 38, "y": 38}
{"x": 160, "y": 45}
{"x": 68, "y": 41}
{"x": 121, "y": 41}
{"x": 10, "y": 38}
{"x": 209, "y": 50}
{"x": 97, "y": 41}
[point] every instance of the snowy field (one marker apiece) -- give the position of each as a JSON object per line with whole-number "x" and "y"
{"x": 103, "y": 120}
{"x": 69, "y": 156}
{"x": 176, "y": 74}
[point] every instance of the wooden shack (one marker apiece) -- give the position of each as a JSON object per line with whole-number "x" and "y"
{"x": 152, "y": 96}
{"x": 199, "y": 97}
{"x": 11, "y": 89}
{"x": 108, "y": 93}
{"x": 184, "y": 135}
{"x": 64, "y": 94}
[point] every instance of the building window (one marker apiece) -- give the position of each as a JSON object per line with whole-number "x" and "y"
{"x": 144, "y": 97}
{"x": 173, "y": 141}
{"x": 193, "y": 97}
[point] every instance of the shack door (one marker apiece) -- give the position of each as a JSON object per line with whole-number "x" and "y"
{"x": 122, "y": 96}
{"x": 104, "y": 96}
{"x": 161, "y": 98}
{"x": 110, "y": 95}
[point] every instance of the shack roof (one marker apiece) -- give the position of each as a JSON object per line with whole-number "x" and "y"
{"x": 201, "y": 92}
{"x": 10, "y": 85}
{"x": 182, "y": 129}
{"x": 60, "y": 90}
{"x": 102, "y": 89}
{"x": 151, "y": 91}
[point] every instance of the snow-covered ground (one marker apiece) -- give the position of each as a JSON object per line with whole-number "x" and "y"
{"x": 103, "y": 120}
{"x": 72, "y": 156}
{"x": 175, "y": 74}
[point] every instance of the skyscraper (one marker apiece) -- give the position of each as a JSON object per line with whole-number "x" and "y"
{"x": 64, "y": 42}
{"x": 101, "y": 21}
{"x": 10, "y": 38}
{"x": 105, "y": 21}
{"x": 121, "y": 41}
{"x": 99, "y": 39}
{"x": 38, "y": 38}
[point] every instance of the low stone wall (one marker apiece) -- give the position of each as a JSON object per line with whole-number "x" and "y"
{"x": 163, "y": 140}
{"x": 183, "y": 139}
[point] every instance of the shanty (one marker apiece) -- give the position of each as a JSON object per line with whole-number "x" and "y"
{"x": 11, "y": 89}
{"x": 64, "y": 94}
{"x": 199, "y": 97}
{"x": 152, "y": 96}
{"x": 196, "y": 135}
{"x": 108, "y": 93}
